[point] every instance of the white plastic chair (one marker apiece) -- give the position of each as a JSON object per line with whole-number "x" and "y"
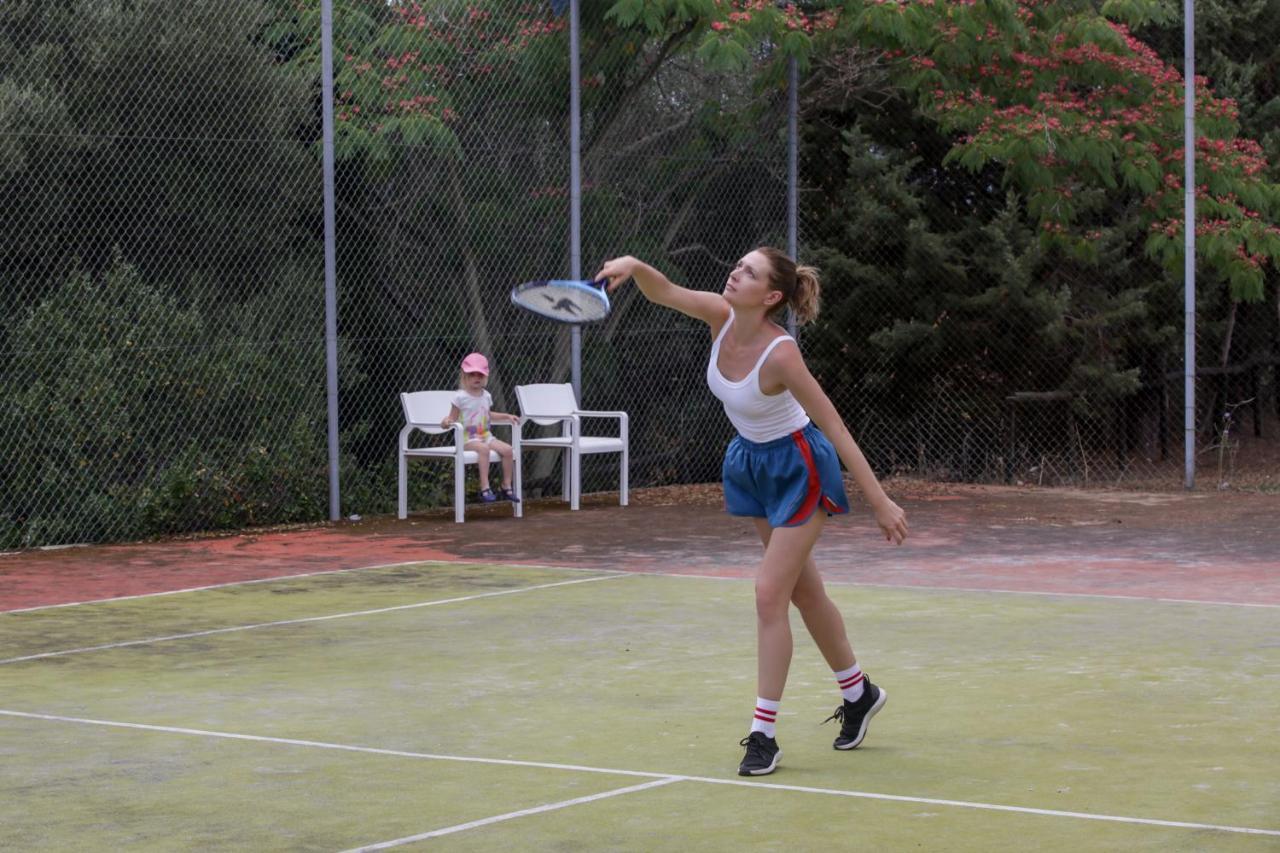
{"x": 550, "y": 404}
{"x": 424, "y": 410}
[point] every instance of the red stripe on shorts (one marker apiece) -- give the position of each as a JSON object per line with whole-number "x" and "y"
{"x": 814, "y": 491}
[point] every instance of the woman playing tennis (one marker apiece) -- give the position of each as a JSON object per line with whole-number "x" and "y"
{"x": 782, "y": 470}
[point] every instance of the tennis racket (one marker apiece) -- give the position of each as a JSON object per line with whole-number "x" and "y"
{"x": 562, "y": 300}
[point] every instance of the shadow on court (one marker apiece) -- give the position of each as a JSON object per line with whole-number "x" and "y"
{"x": 1197, "y": 546}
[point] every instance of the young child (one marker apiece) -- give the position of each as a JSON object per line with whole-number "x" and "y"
{"x": 472, "y": 408}
{"x": 782, "y": 471}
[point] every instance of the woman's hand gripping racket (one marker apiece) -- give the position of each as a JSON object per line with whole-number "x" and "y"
{"x": 562, "y": 300}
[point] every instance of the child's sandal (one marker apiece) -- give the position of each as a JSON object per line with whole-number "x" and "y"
{"x": 508, "y": 495}
{"x": 487, "y": 496}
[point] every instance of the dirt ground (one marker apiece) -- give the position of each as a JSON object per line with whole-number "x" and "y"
{"x": 1203, "y": 546}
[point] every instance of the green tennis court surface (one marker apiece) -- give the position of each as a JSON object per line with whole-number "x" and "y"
{"x": 482, "y": 707}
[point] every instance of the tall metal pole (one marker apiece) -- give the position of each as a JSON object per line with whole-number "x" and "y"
{"x": 1189, "y": 241}
{"x": 330, "y": 255}
{"x": 793, "y": 170}
{"x": 575, "y": 189}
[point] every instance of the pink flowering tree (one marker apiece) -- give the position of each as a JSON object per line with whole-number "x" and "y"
{"x": 1078, "y": 110}
{"x": 1073, "y": 106}
{"x": 1087, "y": 122}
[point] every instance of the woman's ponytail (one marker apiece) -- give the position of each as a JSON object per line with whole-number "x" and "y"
{"x": 799, "y": 286}
{"x": 807, "y": 299}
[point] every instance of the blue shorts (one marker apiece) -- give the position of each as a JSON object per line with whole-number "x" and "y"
{"x": 784, "y": 480}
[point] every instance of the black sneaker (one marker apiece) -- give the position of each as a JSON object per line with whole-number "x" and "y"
{"x": 854, "y": 716}
{"x": 762, "y": 755}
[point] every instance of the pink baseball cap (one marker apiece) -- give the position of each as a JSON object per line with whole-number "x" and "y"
{"x": 475, "y": 363}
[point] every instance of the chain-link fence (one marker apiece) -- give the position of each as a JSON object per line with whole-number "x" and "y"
{"x": 434, "y": 229}
{"x": 162, "y": 351}
{"x": 961, "y": 347}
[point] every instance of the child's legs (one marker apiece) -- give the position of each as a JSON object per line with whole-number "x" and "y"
{"x": 504, "y": 453}
{"x": 784, "y": 560}
{"x": 482, "y": 450}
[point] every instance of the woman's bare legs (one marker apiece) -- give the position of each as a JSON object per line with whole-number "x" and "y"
{"x": 821, "y": 616}
{"x": 785, "y": 557}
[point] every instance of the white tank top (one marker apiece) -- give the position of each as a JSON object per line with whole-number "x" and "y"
{"x": 757, "y": 416}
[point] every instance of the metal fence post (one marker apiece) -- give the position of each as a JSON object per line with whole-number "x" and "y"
{"x": 330, "y": 257}
{"x": 1189, "y": 242}
{"x": 793, "y": 170}
{"x": 575, "y": 188}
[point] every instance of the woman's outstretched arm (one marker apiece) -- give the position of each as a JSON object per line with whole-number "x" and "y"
{"x": 657, "y": 288}
{"x": 786, "y": 367}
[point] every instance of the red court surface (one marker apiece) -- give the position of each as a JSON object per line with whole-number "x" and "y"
{"x": 1201, "y": 546}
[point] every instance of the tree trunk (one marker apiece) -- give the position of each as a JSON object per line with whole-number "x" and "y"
{"x": 1219, "y": 395}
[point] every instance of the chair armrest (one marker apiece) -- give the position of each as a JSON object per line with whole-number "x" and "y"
{"x": 528, "y": 416}
{"x": 622, "y": 418}
{"x": 572, "y": 422}
{"x": 455, "y": 428}
{"x": 423, "y": 425}
{"x": 513, "y": 425}
{"x": 515, "y": 432}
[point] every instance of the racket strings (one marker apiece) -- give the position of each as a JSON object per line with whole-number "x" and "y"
{"x": 568, "y": 302}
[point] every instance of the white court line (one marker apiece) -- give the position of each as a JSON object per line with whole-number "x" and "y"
{"x": 1055, "y": 594}
{"x": 463, "y": 827}
{"x": 862, "y": 795}
{"x": 305, "y": 619}
{"x": 245, "y": 582}
{"x": 977, "y": 589}
{"x": 319, "y": 573}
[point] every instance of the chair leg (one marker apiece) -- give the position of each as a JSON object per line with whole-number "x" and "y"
{"x": 622, "y": 481}
{"x": 459, "y": 493}
{"x": 402, "y": 488}
{"x": 575, "y": 482}
{"x": 566, "y": 474}
{"x": 517, "y": 483}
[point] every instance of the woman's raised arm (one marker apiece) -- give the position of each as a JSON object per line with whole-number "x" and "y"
{"x": 656, "y": 287}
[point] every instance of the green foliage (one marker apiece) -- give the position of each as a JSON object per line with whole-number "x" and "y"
{"x": 1065, "y": 100}
{"x": 944, "y": 296}
{"x": 1239, "y": 50}
{"x": 82, "y": 167}
{"x": 452, "y": 178}
{"x": 1137, "y": 13}
{"x": 989, "y": 237}
{"x": 135, "y": 414}
{"x": 221, "y": 485}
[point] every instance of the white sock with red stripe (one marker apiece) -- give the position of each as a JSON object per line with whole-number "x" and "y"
{"x": 850, "y": 681}
{"x": 766, "y": 717}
